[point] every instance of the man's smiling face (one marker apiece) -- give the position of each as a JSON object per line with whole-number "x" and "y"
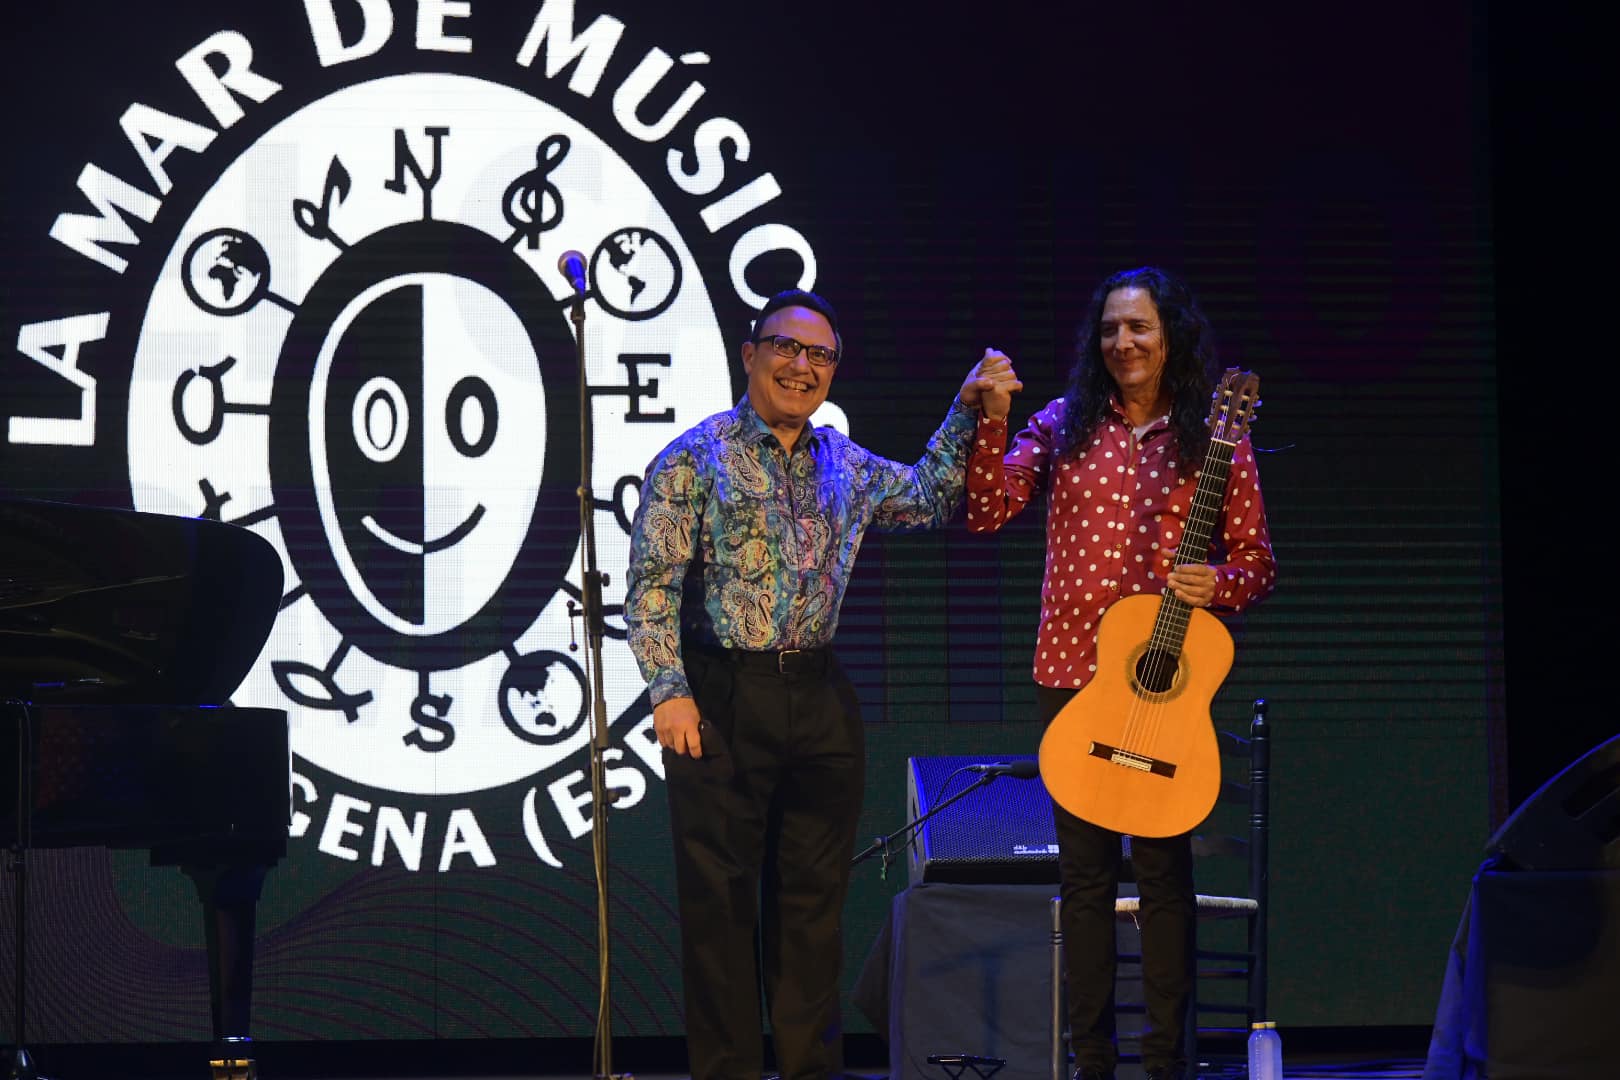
{"x": 783, "y": 390}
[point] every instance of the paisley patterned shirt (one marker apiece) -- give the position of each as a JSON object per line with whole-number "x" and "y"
{"x": 738, "y": 543}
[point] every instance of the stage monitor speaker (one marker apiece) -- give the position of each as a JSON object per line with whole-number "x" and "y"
{"x": 999, "y": 834}
{"x": 1572, "y": 823}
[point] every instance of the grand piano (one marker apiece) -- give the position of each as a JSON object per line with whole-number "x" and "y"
{"x": 122, "y": 637}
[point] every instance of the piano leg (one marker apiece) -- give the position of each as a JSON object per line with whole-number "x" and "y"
{"x": 230, "y": 896}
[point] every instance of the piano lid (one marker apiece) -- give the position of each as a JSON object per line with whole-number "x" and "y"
{"x": 122, "y": 606}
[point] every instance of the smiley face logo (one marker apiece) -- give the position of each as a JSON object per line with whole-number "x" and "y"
{"x": 409, "y": 449}
{"x": 425, "y": 406}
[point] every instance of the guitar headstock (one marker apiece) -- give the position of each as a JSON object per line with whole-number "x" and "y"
{"x": 1232, "y": 408}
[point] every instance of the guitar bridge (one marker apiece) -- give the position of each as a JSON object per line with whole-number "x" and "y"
{"x": 1130, "y": 760}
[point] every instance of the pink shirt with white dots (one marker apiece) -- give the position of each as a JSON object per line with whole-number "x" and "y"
{"x": 1114, "y": 518}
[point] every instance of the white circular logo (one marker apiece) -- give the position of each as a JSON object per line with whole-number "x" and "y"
{"x": 359, "y": 346}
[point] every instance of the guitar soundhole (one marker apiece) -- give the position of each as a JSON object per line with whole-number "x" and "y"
{"x": 1156, "y": 670}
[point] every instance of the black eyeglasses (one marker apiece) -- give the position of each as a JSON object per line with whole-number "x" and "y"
{"x": 819, "y": 355}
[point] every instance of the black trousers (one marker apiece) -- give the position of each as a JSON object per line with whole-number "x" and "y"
{"x": 1089, "y": 862}
{"x": 764, "y": 827}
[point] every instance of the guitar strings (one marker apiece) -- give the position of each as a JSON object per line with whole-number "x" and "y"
{"x": 1145, "y": 721}
{"x": 1168, "y": 641}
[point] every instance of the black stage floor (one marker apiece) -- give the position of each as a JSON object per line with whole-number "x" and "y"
{"x": 1331, "y": 1068}
{"x": 1338, "y": 1054}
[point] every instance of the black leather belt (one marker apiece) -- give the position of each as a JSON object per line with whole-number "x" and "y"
{"x": 787, "y": 662}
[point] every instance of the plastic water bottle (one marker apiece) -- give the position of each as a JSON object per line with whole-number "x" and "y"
{"x": 1265, "y": 1052}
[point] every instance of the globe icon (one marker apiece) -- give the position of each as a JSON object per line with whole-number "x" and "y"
{"x": 543, "y": 698}
{"x": 635, "y": 273}
{"x": 226, "y": 271}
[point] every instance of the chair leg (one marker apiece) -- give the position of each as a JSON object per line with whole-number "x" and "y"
{"x": 1060, "y": 1059}
{"x": 1190, "y": 1026}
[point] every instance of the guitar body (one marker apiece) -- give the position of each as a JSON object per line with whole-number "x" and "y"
{"x": 1135, "y": 750}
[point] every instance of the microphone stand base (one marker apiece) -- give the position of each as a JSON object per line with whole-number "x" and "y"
{"x": 232, "y": 1069}
{"x": 232, "y": 1059}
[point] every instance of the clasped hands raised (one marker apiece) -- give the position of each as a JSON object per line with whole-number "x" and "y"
{"x": 991, "y": 384}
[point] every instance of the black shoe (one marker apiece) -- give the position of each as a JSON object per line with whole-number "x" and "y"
{"x": 1093, "y": 1072}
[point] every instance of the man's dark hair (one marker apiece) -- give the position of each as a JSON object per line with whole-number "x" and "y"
{"x": 1189, "y": 367}
{"x": 799, "y": 298}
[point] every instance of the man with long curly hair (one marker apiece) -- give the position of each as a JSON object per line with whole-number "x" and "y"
{"x": 1116, "y": 458}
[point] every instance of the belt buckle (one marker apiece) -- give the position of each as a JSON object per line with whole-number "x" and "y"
{"x": 781, "y": 659}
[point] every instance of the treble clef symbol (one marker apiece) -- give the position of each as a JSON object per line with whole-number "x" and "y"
{"x": 525, "y": 200}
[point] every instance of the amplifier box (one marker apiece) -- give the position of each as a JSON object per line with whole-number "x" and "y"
{"x": 1001, "y": 833}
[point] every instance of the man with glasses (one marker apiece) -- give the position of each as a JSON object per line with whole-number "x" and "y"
{"x": 741, "y": 550}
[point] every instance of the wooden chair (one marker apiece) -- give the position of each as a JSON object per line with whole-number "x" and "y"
{"x": 1234, "y": 844}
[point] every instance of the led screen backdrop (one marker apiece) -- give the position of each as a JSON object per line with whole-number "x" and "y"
{"x": 294, "y": 266}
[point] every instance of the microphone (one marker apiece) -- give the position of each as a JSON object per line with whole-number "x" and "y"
{"x": 572, "y": 266}
{"x": 1018, "y": 770}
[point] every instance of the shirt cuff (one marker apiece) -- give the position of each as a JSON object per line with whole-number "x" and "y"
{"x": 990, "y": 435}
{"x": 667, "y": 684}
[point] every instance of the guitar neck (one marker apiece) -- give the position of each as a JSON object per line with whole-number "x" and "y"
{"x": 1170, "y": 628}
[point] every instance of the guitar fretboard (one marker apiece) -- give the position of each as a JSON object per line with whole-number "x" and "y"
{"x": 1170, "y": 628}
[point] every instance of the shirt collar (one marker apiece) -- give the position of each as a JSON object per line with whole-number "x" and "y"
{"x": 1118, "y": 409}
{"x": 755, "y": 430}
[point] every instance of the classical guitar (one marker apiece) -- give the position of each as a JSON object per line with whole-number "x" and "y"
{"x": 1135, "y": 750}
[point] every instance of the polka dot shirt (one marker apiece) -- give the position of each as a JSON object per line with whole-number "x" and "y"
{"x": 1114, "y": 518}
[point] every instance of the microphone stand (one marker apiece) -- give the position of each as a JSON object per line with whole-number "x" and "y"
{"x": 881, "y": 844}
{"x": 591, "y": 583}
